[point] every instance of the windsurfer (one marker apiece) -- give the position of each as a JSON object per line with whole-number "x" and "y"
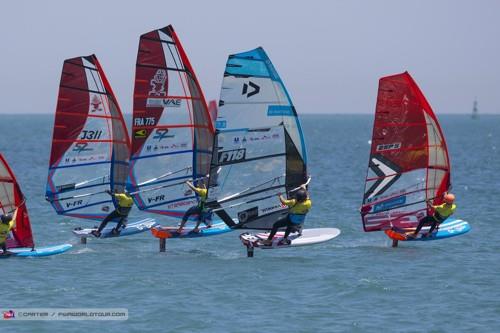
{"x": 121, "y": 212}
{"x": 7, "y": 223}
{"x": 199, "y": 209}
{"x": 298, "y": 208}
{"x": 441, "y": 213}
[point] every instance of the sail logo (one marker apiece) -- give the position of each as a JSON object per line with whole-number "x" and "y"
{"x": 162, "y": 133}
{"x": 81, "y": 146}
{"x": 255, "y": 89}
{"x": 140, "y": 134}
{"x": 389, "y": 146}
{"x": 157, "y": 83}
{"x": 232, "y": 156}
{"x": 95, "y": 104}
{"x": 387, "y": 172}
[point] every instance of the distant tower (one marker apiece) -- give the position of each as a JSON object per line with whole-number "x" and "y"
{"x": 475, "y": 115}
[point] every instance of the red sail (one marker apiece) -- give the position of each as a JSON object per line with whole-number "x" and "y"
{"x": 11, "y": 198}
{"x": 172, "y": 132}
{"x": 90, "y": 143}
{"x": 409, "y": 161}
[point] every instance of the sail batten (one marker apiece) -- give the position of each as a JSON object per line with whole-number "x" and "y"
{"x": 409, "y": 163}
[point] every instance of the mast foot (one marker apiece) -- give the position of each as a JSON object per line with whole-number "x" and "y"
{"x": 250, "y": 251}
{"x": 163, "y": 244}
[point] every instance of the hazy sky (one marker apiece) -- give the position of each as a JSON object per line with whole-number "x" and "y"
{"x": 330, "y": 54}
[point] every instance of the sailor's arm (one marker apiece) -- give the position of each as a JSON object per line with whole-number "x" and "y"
{"x": 190, "y": 185}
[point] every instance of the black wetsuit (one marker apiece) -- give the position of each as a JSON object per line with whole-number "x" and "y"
{"x": 283, "y": 222}
{"x": 433, "y": 220}
{"x": 120, "y": 213}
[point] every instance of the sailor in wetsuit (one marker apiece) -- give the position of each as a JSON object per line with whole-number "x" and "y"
{"x": 7, "y": 223}
{"x": 121, "y": 212}
{"x": 298, "y": 208}
{"x": 441, "y": 213}
{"x": 199, "y": 209}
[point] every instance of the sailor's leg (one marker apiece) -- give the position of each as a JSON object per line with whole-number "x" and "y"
{"x": 435, "y": 223}
{"x": 120, "y": 223}
{"x": 289, "y": 227}
{"x": 278, "y": 224}
{"x": 114, "y": 214}
{"x": 186, "y": 216}
{"x": 424, "y": 221}
{"x": 200, "y": 219}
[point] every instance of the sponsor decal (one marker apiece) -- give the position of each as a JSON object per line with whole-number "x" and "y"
{"x": 391, "y": 203}
{"x": 252, "y": 139}
{"x": 81, "y": 146}
{"x": 157, "y": 83}
{"x": 144, "y": 121}
{"x": 159, "y": 147}
{"x": 105, "y": 208}
{"x": 140, "y": 134}
{"x": 95, "y": 104}
{"x": 389, "y": 146}
{"x": 269, "y": 209}
{"x": 162, "y": 133}
{"x": 182, "y": 204}
{"x": 84, "y": 159}
{"x": 232, "y": 156}
{"x": 164, "y": 102}
{"x": 280, "y": 110}
{"x": 236, "y": 140}
{"x": 220, "y": 124}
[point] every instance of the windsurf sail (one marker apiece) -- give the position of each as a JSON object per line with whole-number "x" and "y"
{"x": 260, "y": 150}
{"x": 90, "y": 144}
{"x": 409, "y": 161}
{"x": 172, "y": 130}
{"x": 12, "y": 201}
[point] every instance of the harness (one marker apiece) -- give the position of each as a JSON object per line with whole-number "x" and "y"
{"x": 297, "y": 218}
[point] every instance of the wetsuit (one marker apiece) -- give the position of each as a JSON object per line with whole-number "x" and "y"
{"x": 295, "y": 217}
{"x": 441, "y": 213}
{"x": 125, "y": 203}
{"x": 5, "y": 228}
{"x": 198, "y": 209}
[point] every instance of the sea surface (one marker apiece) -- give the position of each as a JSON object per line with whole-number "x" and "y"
{"x": 355, "y": 283}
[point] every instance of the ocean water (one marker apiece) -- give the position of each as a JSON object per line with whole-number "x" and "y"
{"x": 355, "y": 283}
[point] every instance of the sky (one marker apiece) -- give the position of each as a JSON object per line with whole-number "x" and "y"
{"x": 330, "y": 54}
